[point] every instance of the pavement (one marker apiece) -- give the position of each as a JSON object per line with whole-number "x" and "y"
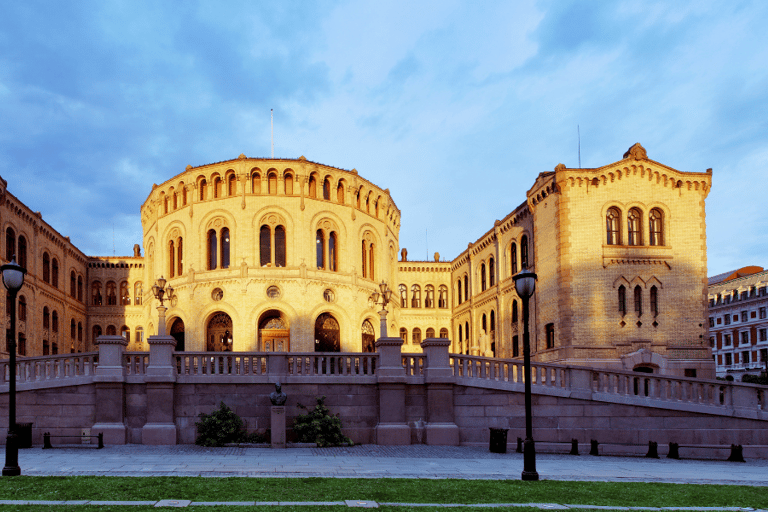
{"x": 372, "y": 461}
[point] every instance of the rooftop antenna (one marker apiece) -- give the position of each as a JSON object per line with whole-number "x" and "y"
{"x": 272, "y": 129}
{"x": 426, "y": 240}
{"x": 113, "y": 239}
{"x": 578, "y": 132}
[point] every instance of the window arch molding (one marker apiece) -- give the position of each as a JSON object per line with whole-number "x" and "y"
{"x": 272, "y": 237}
{"x": 175, "y": 232}
{"x": 369, "y": 252}
{"x": 273, "y": 216}
{"x": 348, "y": 342}
{"x": 254, "y": 181}
{"x": 274, "y": 179}
{"x": 218, "y": 220}
{"x": 290, "y": 186}
{"x": 666, "y": 216}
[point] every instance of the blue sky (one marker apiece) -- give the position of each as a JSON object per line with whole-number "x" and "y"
{"x": 453, "y": 106}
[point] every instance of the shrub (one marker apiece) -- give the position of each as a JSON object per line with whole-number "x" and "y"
{"x": 220, "y": 427}
{"x": 320, "y": 426}
{"x": 755, "y": 379}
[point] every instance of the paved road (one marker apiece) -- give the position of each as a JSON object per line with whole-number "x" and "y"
{"x": 371, "y": 461}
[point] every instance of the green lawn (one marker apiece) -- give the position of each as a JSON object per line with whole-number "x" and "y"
{"x": 380, "y": 490}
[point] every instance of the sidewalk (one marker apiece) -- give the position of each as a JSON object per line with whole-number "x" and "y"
{"x": 372, "y": 461}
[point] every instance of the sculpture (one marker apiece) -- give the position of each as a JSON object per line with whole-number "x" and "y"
{"x": 277, "y": 397}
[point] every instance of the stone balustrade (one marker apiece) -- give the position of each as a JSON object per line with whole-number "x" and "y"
{"x": 48, "y": 371}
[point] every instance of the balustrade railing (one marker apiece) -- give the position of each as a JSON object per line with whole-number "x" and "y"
{"x": 314, "y": 363}
{"x": 508, "y": 370}
{"x": 221, "y": 363}
{"x": 661, "y": 387}
{"x": 51, "y": 368}
{"x": 414, "y": 364}
{"x": 136, "y": 363}
{"x": 261, "y": 363}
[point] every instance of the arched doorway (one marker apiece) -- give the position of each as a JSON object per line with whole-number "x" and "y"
{"x": 177, "y": 331}
{"x": 274, "y": 333}
{"x": 219, "y": 334}
{"x": 327, "y": 334}
{"x": 369, "y": 337}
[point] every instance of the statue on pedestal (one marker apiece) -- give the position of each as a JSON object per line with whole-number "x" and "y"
{"x": 277, "y": 397}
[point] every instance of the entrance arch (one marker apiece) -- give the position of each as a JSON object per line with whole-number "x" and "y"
{"x": 177, "y": 331}
{"x": 327, "y": 334}
{"x": 274, "y": 332}
{"x": 219, "y": 334}
{"x": 368, "y": 337}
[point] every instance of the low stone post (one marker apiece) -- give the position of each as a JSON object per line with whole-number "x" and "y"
{"x": 579, "y": 382}
{"x": 277, "y": 419}
{"x": 109, "y": 380}
{"x": 392, "y": 428}
{"x": 160, "y": 428}
{"x": 441, "y": 427}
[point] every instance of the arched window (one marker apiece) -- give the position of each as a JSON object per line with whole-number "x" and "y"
{"x": 225, "y": 248}
{"x": 139, "y": 337}
{"x": 203, "y": 189}
{"x": 179, "y": 256}
{"x": 10, "y": 244}
{"x": 79, "y": 334}
{"x": 466, "y": 334}
{"x": 96, "y": 333}
{"x": 655, "y": 301}
{"x": 485, "y": 323}
{"x": 212, "y": 246}
{"x": 175, "y": 201}
{"x": 513, "y": 258}
{"x": 638, "y": 300}
{"x": 635, "y": 226}
{"x": 22, "y": 256}
{"x": 368, "y": 258}
{"x": 55, "y": 272}
{"x": 613, "y": 226}
{"x": 55, "y": 321}
{"x": 458, "y": 289}
{"x": 217, "y": 187}
{"x": 111, "y": 330}
{"x": 172, "y": 259}
{"x": 493, "y": 320}
{"x": 183, "y": 195}
{"x": 358, "y": 198}
{"x": 272, "y": 183}
{"x": 482, "y": 277}
{"x": 288, "y": 184}
{"x": 430, "y": 333}
{"x": 327, "y": 334}
{"x": 73, "y": 285}
{"x": 656, "y": 226}
{"x": 80, "y": 288}
{"x": 22, "y": 309}
{"x": 622, "y": 300}
{"x": 368, "y": 203}
{"x": 138, "y": 293}
{"x": 403, "y": 296}
{"x": 514, "y": 312}
{"x": 416, "y": 336}
{"x": 265, "y": 246}
{"x": 524, "y": 251}
{"x": 255, "y": 183}
{"x": 404, "y": 334}
{"x": 415, "y": 296}
{"x": 46, "y": 268}
{"x": 125, "y": 332}
{"x": 165, "y": 204}
{"x": 96, "y": 299}
{"x": 442, "y": 297}
{"x": 466, "y": 287}
{"x": 443, "y": 332}
{"x": 368, "y": 336}
{"x": 333, "y": 260}
{"x": 125, "y": 295}
{"x": 326, "y": 250}
{"x": 231, "y": 187}
{"x": 111, "y": 293}
{"x": 327, "y": 189}
{"x": 429, "y": 298}
{"x": 72, "y": 329}
{"x": 46, "y": 318}
{"x": 319, "y": 249}
{"x": 340, "y": 193}
{"x": 491, "y": 272}
{"x": 312, "y": 186}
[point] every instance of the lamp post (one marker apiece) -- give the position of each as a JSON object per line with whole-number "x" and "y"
{"x": 385, "y": 296}
{"x": 160, "y": 291}
{"x": 13, "y": 279}
{"x": 525, "y": 285}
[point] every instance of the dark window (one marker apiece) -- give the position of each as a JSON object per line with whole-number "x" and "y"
{"x": 656, "y": 227}
{"x": 635, "y": 227}
{"x": 332, "y": 254}
{"x": 55, "y": 321}
{"x": 171, "y": 258}
{"x": 265, "y": 246}
{"x": 416, "y": 336}
{"x": 524, "y": 251}
{"x": 22, "y": 309}
{"x": 622, "y": 300}
{"x": 613, "y": 226}
{"x": 55, "y": 273}
{"x": 744, "y": 316}
{"x": 654, "y": 301}
{"x": 491, "y": 272}
{"x": 280, "y": 253}
{"x": 458, "y": 288}
{"x": 225, "y": 248}
{"x": 46, "y": 318}
{"x": 327, "y": 190}
{"x": 72, "y": 284}
{"x": 515, "y": 346}
{"x": 513, "y": 258}
{"x": 404, "y": 296}
{"x": 10, "y": 244}
{"x": 404, "y": 334}
{"x": 212, "y": 245}
{"x": 550, "y": 329}
{"x": 111, "y": 294}
{"x": 319, "y": 252}
{"x": 22, "y": 256}
{"x": 466, "y": 287}
{"x": 745, "y": 337}
{"x": 638, "y": 300}
{"x": 514, "y": 311}
{"x": 46, "y": 268}
{"x": 442, "y": 299}
{"x": 482, "y": 277}
{"x": 80, "y": 288}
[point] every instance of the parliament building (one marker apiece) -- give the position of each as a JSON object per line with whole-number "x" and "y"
{"x": 286, "y": 254}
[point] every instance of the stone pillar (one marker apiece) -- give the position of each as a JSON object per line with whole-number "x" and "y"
{"x": 441, "y": 428}
{"x": 579, "y": 382}
{"x": 277, "y": 426}
{"x": 392, "y": 428}
{"x": 160, "y": 428}
{"x": 109, "y": 380}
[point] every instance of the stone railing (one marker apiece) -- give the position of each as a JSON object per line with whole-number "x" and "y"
{"x": 313, "y": 363}
{"x": 414, "y": 364}
{"x": 61, "y": 370}
{"x": 136, "y": 363}
{"x": 508, "y": 370}
{"x": 221, "y": 363}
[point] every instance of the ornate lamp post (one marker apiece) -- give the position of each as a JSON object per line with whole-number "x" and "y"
{"x": 385, "y": 296}
{"x": 525, "y": 285}
{"x": 160, "y": 291}
{"x": 13, "y": 279}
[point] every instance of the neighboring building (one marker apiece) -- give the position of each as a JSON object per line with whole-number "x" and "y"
{"x": 277, "y": 254}
{"x": 738, "y": 322}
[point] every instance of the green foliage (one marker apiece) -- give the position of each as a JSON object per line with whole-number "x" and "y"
{"x": 319, "y": 426}
{"x": 755, "y": 379}
{"x": 220, "y": 427}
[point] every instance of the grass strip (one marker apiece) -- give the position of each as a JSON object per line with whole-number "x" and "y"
{"x": 627, "y": 494}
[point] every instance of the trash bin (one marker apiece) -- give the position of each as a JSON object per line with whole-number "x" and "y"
{"x": 24, "y": 435}
{"x": 498, "y": 440}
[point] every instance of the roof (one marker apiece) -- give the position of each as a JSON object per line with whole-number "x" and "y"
{"x": 734, "y": 274}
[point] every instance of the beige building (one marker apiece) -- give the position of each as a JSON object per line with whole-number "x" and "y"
{"x": 274, "y": 254}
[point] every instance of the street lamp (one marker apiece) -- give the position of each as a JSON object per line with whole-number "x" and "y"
{"x": 13, "y": 279}
{"x": 525, "y": 285}
{"x": 160, "y": 291}
{"x": 385, "y": 296}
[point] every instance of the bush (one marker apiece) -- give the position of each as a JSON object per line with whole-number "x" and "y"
{"x": 220, "y": 427}
{"x": 319, "y": 426}
{"x": 755, "y": 379}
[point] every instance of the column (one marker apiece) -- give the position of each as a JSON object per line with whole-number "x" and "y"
{"x": 160, "y": 428}
{"x": 392, "y": 428}
{"x": 441, "y": 428}
{"x": 109, "y": 380}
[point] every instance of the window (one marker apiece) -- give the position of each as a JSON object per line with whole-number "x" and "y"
{"x": 442, "y": 299}
{"x": 125, "y": 332}
{"x": 763, "y": 334}
{"x": 288, "y": 184}
{"x": 55, "y": 273}
{"x": 622, "y": 300}
{"x": 524, "y": 251}
{"x": 613, "y": 226}
{"x": 272, "y": 183}
{"x": 482, "y": 277}
{"x": 80, "y": 288}
{"x": 139, "y": 336}
{"x": 231, "y": 185}
{"x": 727, "y": 340}
{"x": 745, "y": 357}
{"x": 96, "y": 299}
{"x": 654, "y": 301}
{"x": 111, "y": 293}
{"x": 727, "y": 319}
{"x": 403, "y": 296}
{"x": 55, "y": 321}
{"x": 269, "y": 239}
{"x": 711, "y": 321}
{"x": 443, "y": 332}
{"x": 217, "y": 190}
{"x": 138, "y": 293}
{"x": 340, "y": 193}
{"x": 255, "y": 183}
{"x": 368, "y": 257}
{"x": 111, "y": 331}
{"x": 225, "y": 248}
{"x": 712, "y": 341}
{"x": 312, "y": 186}
{"x": 46, "y": 268}
{"x": 416, "y": 336}
{"x": 72, "y": 329}
{"x": 458, "y": 288}
{"x": 320, "y": 252}
{"x": 46, "y": 318}
{"x": 515, "y": 346}
{"x": 404, "y": 334}
{"x": 728, "y": 359}
{"x": 22, "y": 309}
{"x": 656, "y": 227}
{"x": 513, "y": 258}
{"x": 514, "y": 312}
{"x": 550, "y": 329}
{"x": 22, "y": 256}
{"x": 744, "y": 316}
{"x": 635, "y": 227}
{"x": 429, "y": 299}
{"x": 212, "y": 245}
{"x": 333, "y": 260}
{"x": 73, "y": 284}
{"x": 745, "y": 337}
{"x": 415, "y": 296}
{"x": 10, "y": 244}
{"x": 327, "y": 189}
{"x": 466, "y": 287}
{"x": 638, "y": 300}
{"x": 96, "y": 332}
{"x": 125, "y": 295}
{"x": 491, "y": 272}
{"x": 79, "y": 333}
{"x": 430, "y": 333}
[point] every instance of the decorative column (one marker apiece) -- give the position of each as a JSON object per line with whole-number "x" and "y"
{"x": 441, "y": 428}
{"x": 160, "y": 428}
{"x": 109, "y": 379}
{"x": 392, "y": 428}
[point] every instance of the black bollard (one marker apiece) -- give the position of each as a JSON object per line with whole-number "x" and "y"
{"x": 519, "y": 445}
{"x": 653, "y": 450}
{"x": 737, "y": 453}
{"x": 593, "y": 447}
{"x": 574, "y": 447}
{"x": 101, "y": 440}
{"x": 673, "y": 451}
{"x": 47, "y": 440}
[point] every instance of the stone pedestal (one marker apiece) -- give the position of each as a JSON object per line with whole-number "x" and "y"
{"x": 277, "y": 426}
{"x": 392, "y": 428}
{"x": 160, "y": 428}
{"x": 109, "y": 380}
{"x": 438, "y": 376}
